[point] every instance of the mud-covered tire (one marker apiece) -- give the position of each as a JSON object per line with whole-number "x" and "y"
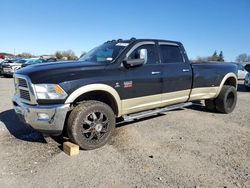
{"x": 210, "y": 105}
{"x": 91, "y": 124}
{"x": 226, "y": 100}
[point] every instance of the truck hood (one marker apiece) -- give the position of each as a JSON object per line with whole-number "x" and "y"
{"x": 58, "y": 72}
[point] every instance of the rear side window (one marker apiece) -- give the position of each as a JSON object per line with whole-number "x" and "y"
{"x": 152, "y": 53}
{"x": 171, "y": 54}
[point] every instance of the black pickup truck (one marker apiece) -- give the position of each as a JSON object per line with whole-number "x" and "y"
{"x": 120, "y": 79}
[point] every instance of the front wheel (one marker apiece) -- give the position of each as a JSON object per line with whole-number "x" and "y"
{"x": 91, "y": 124}
{"x": 226, "y": 101}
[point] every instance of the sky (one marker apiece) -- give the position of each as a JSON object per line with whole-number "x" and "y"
{"x": 203, "y": 26}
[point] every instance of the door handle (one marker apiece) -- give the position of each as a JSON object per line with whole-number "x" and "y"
{"x": 157, "y": 72}
{"x": 185, "y": 70}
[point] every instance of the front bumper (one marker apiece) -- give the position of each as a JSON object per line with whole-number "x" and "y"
{"x": 51, "y": 124}
{"x": 8, "y": 71}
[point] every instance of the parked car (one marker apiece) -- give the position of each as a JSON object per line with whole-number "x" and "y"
{"x": 33, "y": 61}
{"x": 241, "y": 71}
{"x": 247, "y": 67}
{"x": 123, "y": 79}
{"x": 8, "y": 67}
{"x": 247, "y": 81}
{"x": 1, "y": 69}
{"x": 2, "y": 58}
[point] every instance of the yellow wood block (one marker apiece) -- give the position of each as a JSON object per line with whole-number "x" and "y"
{"x": 70, "y": 148}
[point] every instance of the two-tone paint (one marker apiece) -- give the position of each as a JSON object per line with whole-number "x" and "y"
{"x": 135, "y": 89}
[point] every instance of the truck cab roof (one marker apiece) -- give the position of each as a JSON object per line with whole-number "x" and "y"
{"x": 142, "y": 40}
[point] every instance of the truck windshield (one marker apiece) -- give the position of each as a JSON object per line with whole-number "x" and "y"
{"x": 104, "y": 53}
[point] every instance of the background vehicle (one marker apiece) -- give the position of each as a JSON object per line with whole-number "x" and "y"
{"x": 247, "y": 81}
{"x": 8, "y": 67}
{"x": 33, "y": 61}
{"x": 2, "y": 57}
{"x": 125, "y": 79}
{"x": 247, "y": 67}
{"x": 1, "y": 69}
{"x": 241, "y": 71}
{"x": 247, "y": 78}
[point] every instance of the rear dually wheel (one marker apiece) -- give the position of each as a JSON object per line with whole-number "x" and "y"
{"x": 225, "y": 102}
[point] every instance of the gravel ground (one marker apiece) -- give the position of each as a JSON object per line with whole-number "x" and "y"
{"x": 189, "y": 147}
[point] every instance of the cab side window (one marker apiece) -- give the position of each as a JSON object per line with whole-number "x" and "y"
{"x": 151, "y": 50}
{"x": 171, "y": 54}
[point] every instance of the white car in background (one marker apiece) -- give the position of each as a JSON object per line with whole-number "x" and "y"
{"x": 9, "y": 66}
{"x": 241, "y": 71}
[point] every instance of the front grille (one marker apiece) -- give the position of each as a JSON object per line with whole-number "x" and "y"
{"x": 23, "y": 89}
{"x": 22, "y": 83}
{"x": 6, "y": 66}
{"x": 24, "y": 94}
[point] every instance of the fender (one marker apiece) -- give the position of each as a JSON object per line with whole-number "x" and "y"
{"x": 228, "y": 75}
{"x": 94, "y": 87}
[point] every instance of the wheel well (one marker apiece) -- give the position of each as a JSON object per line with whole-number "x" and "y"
{"x": 101, "y": 96}
{"x": 231, "y": 82}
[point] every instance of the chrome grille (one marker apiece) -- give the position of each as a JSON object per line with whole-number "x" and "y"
{"x": 24, "y": 90}
{"x": 22, "y": 83}
{"x": 24, "y": 94}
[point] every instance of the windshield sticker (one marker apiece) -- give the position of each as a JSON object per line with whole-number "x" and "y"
{"x": 122, "y": 44}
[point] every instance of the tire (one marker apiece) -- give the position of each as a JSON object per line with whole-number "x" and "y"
{"x": 210, "y": 105}
{"x": 91, "y": 124}
{"x": 226, "y": 101}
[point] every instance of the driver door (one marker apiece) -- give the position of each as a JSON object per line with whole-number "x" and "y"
{"x": 142, "y": 84}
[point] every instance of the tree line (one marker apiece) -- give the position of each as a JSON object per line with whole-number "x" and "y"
{"x": 242, "y": 58}
{"x": 214, "y": 57}
{"x": 60, "y": 55}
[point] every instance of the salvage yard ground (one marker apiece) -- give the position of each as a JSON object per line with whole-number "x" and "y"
{"x": 187, "y": 147}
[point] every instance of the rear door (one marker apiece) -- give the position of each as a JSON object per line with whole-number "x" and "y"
{"x": 176, "y": 74}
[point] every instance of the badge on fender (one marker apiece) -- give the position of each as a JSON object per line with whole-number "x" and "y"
{"x": 128, "y": 84}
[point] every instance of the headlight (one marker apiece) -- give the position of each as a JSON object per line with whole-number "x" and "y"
{"x": 49, "y": 91}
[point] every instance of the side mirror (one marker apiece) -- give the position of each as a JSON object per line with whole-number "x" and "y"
{"x": 140, "y": 59}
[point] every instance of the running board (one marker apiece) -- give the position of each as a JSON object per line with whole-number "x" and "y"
{"x": 131, "y": 117}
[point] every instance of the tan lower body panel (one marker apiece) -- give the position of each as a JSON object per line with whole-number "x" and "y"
{"x": 155, "y": 101}
{"x": 203, "y": 93}
{"x": 140, "y": 103}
